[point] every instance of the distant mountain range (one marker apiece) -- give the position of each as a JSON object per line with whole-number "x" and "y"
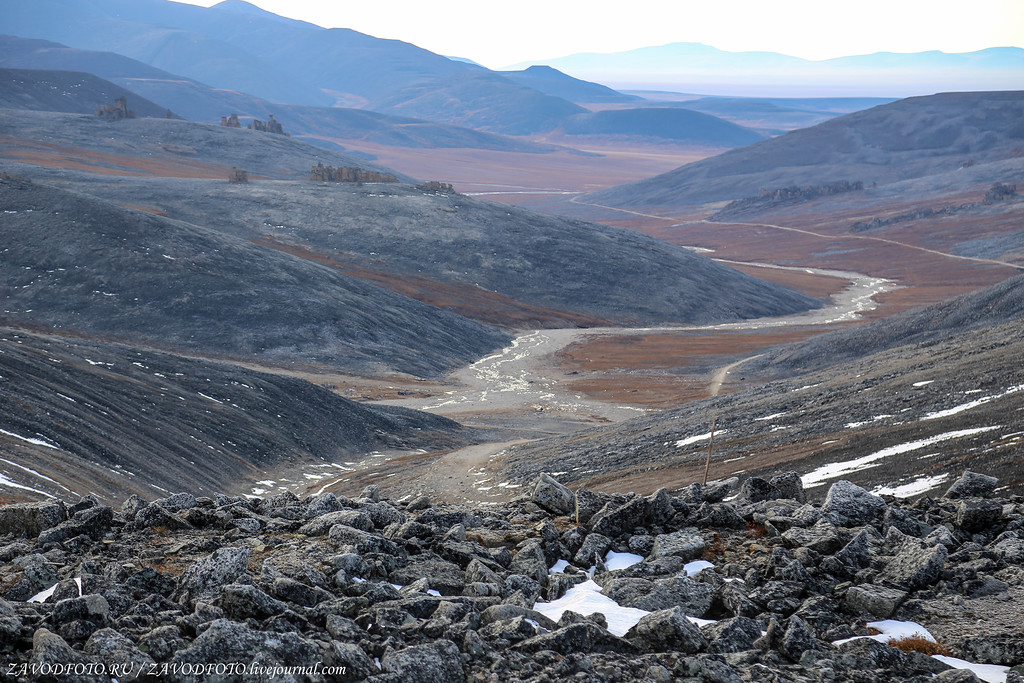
{"x": 236, "y": 46}
{"x": 694, "y": 67}
{"x": 197, "y": 101}
{"x": 204, "y": 63}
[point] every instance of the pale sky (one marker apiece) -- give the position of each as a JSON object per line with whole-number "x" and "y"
{"x": 501, "y": 34}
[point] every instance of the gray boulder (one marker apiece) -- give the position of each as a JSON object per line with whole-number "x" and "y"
{"x": 594, "y": 548}
{"x": 31, "y": 518}
{"x": 587, "y": 504}
{"x": 822, "y": 538}
{"x": 318, "y": 526}
{"x": 51, "y": 652}
{"x": 878, "y": 601}
{"x": 553, "y": 496}
{"x": 790, "y": 486}
{"x": 915, "y": 565}
{"x": 977, "y": 515}
{"x": 115, "y": 649}
{"x": 242, "y": 601}
{"x": 693, "y": 597}
{"x": 204, "y": 578}
{"x": 687, "y": 544}
{"x": 667, "y": 630}
{"x": 756, "y": 490}
{"x": 797, "y": 639}
{"x": 437, "y": 662}
{"x": 732, "y": 635}
{"x": 852, "y": 504}
{"x": 972, "y": 485}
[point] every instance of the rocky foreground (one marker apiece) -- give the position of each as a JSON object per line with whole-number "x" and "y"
{"x": 688, "y": 587}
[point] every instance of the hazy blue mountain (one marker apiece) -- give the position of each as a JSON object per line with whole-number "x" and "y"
{"x": 479, "y": 100}
{"x": 682, "y": 125}
{"x": 554, "y": 82}
{"x": 693, "y": 67}
{"x": 236, "y": 46}
{"x": 199, "y": 102}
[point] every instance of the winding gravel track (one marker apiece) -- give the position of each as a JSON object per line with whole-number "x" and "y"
{"x": 522, "y": 376}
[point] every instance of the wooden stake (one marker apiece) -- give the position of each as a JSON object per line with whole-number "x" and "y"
{"x": 711, "y": 444}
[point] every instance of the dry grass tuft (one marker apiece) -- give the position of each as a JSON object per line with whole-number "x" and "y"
{"x": 714, "y": 550}
{"x": 917, "y": 642}
{"x": 756, "y": 529}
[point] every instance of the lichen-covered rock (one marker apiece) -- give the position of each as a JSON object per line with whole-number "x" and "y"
{"x": 878, "y": 601}
{"x": 553, "y": 496}
{"x": 978, "y": 515}
{"x": 693, "y": 597}
{"x": 914, "y": 566}
{"x": 731, "y": 635}
{"x": 667, "y": 630}
{"x": 797, "y": 639}
{"x": 852, "y": 504}
{"x": 204, "y": 579}
{"x": 972, "y": 485}
{"x": 31, "y": 518}
{"x": 437, "y": 662}
{"x": 687, "y": 544}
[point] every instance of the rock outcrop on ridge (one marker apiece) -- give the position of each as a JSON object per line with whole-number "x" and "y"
{"x": 563, "y": 585}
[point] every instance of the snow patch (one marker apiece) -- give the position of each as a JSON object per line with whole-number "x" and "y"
{"x": 697, "y": 439}
{"x": 913, "y": 488}
{"x": 27, "y": 439}
{"x": 614, "y": 560}
{"x": 972, "y": 404}
{"x": 585, "y": 598}
{"x": 840, "y": 469}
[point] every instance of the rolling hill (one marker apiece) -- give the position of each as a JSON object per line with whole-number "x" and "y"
{"x": 99, "y": 270}
{"x": 680, "y": 125}
{"x": 66, "y": 91}
{"x": 911, "y": 138}
{"x": 554, "y": 82}
{"x": 162, "y": 147}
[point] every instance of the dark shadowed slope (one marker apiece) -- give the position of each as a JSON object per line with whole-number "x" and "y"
{"x": 911, "y": 138}
{"x": 988, "y": 307}
{"x": 680, "y": 125}
{"x": 87, "y": 417}
{"x": 66, "y": 91}
{"x": 82, "y": 266}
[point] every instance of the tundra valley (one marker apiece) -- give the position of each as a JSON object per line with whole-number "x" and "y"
{"x": 324, "y": 357}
